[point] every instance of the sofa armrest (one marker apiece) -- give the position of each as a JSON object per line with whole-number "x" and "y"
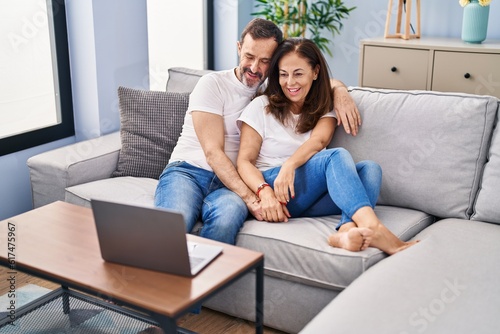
{"x": 90, "y": 160}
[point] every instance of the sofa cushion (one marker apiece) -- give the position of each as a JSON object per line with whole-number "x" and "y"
{"x": 432, "y": 146}
{"x": 447, "y": 283}
{"x": 151, "y": 122}
{"x": 128, "y": 190}
{"x": 298, "y": 250}
{"x": 181, "y": 79}
{"x": 487, "y": 208}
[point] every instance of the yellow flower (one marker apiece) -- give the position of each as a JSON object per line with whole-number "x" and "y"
{"x": 483, "y": 3}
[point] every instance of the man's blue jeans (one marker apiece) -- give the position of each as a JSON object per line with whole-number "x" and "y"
{"x": 199, "y": 194}
{"x": 331, "y": 183}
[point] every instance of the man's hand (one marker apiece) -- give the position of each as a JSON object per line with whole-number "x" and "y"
{"x": 255, "y": 208}
{"x": 346, "y": 110}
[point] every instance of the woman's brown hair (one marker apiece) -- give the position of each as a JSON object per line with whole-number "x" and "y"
{"x": 318, "y": 101}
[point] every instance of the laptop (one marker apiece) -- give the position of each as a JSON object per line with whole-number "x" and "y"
{"x": 149, "y": 238}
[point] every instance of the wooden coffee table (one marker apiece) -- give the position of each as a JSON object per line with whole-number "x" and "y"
{"x": 58, "y": 242}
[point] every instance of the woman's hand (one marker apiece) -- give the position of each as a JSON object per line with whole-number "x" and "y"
{"x": 271, "y": 208}
{"x": 283, "y": 184}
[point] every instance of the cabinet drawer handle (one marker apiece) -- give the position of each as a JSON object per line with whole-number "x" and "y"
{"x": 394, "y": 69}
{"x": 467, "y": 75}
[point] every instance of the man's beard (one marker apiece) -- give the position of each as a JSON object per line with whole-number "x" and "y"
{"x": 253, "y": 83}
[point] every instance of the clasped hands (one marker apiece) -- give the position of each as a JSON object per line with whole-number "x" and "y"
{"x": 273, "y": 201}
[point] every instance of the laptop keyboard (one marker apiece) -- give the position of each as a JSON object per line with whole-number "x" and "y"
{"x": 194, "y": 261}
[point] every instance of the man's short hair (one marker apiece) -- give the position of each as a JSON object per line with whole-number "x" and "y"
{"x": 262, "y": 29}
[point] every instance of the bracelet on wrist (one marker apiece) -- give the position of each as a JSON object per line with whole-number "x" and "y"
{"x": 260, "y": 187}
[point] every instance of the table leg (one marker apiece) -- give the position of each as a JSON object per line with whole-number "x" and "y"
{"x": 259, "y": 298}
{"x": 65, "y": 299}
{"x": 168, "y": 325}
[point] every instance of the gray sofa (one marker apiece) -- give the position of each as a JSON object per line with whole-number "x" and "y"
{"x": 440, "y": 155}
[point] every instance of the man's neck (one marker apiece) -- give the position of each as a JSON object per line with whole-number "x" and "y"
{"x": 237, "y": 73}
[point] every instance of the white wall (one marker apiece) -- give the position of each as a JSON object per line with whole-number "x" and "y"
{"x": 176, "y": 38}
{"x": 230, "y": 17}
{"x": 15, "y": 188}
{"x": 442, "y": 18}
{"x": 108, "y": 48}
{"x": 81, "y": 42}
{"x": 225, "y": 33}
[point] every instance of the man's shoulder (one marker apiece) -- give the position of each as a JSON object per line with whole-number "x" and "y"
{"x": 218, "y": 75}
{"x": 216, "y": 81}
{"x": 212, "y": 91}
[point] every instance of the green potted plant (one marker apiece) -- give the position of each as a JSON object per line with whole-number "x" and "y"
{"x": 297, "y": 17}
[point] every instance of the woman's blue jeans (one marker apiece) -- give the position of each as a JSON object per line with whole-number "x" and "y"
{"x": 331, "y": 183}
{"x": 199, "y": 194}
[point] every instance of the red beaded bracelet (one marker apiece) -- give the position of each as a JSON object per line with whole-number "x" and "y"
{"x": 261, "y": 186}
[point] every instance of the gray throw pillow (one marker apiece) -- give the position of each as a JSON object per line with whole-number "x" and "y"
{"x": 151, "y": 122}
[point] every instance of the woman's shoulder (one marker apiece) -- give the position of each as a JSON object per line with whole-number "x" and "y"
{"x": 261, "y": 100}
{"x": 256, "y": 108}
{"x": 258, "y": 103}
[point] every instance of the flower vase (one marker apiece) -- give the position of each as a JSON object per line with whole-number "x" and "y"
{"x": 475, "y": 22}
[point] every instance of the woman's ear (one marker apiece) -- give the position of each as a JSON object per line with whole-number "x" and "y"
{"x": 316, "y": 72}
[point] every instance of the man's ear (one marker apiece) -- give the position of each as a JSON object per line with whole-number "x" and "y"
{"x": 238, "y": 44}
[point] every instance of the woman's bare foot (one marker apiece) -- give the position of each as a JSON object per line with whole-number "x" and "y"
{"x": 355, "y": 239}
{"x": 382, "y": 237}
{"x": 407, "y": 244}
{"x": 386, "y": 241}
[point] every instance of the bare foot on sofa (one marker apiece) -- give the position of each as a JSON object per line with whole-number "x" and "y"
{"x": 354, "y": 239}
{"x": 386, "y": 241}
{"x": 382, "y": 237}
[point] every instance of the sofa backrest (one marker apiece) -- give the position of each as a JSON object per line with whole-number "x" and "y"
{"x": 487, "y": 207}
{"x": 183, "y": 80}
{"x": 432, "y": 146}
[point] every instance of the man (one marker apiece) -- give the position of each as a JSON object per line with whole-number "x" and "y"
{"x": 201, "y": 180}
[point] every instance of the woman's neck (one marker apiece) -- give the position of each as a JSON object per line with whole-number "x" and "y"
{"x": 295, "y": 108}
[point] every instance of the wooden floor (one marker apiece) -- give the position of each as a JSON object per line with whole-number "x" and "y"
{"x": 207, "y": 322}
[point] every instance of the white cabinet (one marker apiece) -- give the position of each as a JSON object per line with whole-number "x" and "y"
{"x": 447, "y": 65}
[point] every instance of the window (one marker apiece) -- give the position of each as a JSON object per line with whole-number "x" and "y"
{"x": 35, "y": 87}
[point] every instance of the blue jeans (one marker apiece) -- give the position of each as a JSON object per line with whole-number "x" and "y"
{"x": 330, "y": 183}
{"x": 199, "y": 194}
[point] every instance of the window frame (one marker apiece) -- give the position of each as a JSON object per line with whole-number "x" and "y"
{"x": 62, "y": 83}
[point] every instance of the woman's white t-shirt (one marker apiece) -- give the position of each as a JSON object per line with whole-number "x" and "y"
{"x": 279, "y": 142}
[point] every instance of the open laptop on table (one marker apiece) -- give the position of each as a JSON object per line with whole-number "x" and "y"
{"x": 150, "y": 238}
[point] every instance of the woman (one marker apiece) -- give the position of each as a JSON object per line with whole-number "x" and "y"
{"x": 282, "y": 154}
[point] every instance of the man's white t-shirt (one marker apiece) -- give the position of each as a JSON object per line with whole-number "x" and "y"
{"x": 219, "y": 93}
{"x": 279, "y": 142}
